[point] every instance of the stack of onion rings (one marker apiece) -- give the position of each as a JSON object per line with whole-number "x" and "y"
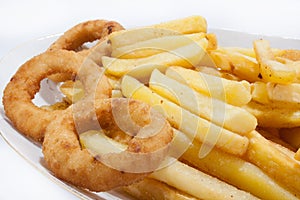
{"x": 58, "y": 130}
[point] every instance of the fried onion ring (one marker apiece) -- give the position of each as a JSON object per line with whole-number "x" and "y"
{"x": 28, "y": 118}
{"x": 75, "y": 37}
{"x": 88, "y": 31}
{"x": 66, "y": 158}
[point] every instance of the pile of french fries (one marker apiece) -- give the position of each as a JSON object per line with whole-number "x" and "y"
{"x": 235, "y": 111}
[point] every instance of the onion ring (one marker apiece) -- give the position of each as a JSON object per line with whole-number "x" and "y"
{"x": 76, "y": 36}
{"x": 88, "y": 31}
{"x": 19, "y": 92}
{"x": 66, "y": 158}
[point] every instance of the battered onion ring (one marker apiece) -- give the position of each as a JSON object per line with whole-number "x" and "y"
{"x": 19, "y": 92}
{"x": 88, "y": 31}
{"x": 75, "y": 37}
{"x": 69, "y": 161}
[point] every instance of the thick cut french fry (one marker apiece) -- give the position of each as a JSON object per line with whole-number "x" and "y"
{"x": 284, "y": 92}
{"x": 244, "y": 67}
{"x": 187, "y": 56}
{"x": 291, "y": 54}
{"x": 284, "y": 96}
{"x": 230, "y": 117}
{"x": 220, "y": 60}
{"x": 237, "y": 172}
{"x": 259, "y": 92}
{"x": 270, "y": 69}
{"x": 275, "y": 160}
{"x": 232, "y": 92}
{"x": 128, "y": 37}
{"x": 153, "y": 189}
{"x": 197, "y": 183}
{"x": 188, "y": 25}
{"x": 241, "y": 65}
{"x": 157, "y": 45}
{"x": 269, "y": 115}
{"x": 97, "y": 142}
{"x": 143, "y": 72}
{"x": 245, "y": 51}
{"x": 212, "y": 41}
{"x": 185, "y": 121}
{"x": 192, "y": 24}
{"x": 73, "y": 91}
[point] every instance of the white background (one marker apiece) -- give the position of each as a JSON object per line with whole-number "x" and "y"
{"x": 21, "y": 21}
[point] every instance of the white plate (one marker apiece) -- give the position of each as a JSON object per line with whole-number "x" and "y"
{"x": 32, "y": 152}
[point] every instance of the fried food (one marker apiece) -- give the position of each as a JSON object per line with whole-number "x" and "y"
{"x": 270, "y": 69}
{"x": 165, "y": 109}
{"x": 23, "y": 86}
{"x": 237, "y": 172}
{"x": 88, "y": 31}
{"x": 192, "y": 125}
{"x": 153, "y": 189}
{"x": 19, "y": 92}
{"x": 75, "y": 37}
{"x": 233, "y": 92}
{"x": 280, "y": 163}
{"x": 147, "y": 148}
{"x": 197, "y": 183}
{"x": 202, "y": 105}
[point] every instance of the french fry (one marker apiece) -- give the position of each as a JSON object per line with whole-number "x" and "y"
{"x": 116, "y": 94}
{"x": 150, "y": 188}
{"x": 230, "y": 117}
{"x": 221, "y": 60}
{"x": 243, "y": 66}
{"x": 245, "y": 51}
{"x": 188, "y": 25}
{"x": 197, "y": 183}
{"x": 260, "y": 92}
{"x": 192, "y": 24}
{"x": 73, "y": 90}
{"x": 291, "y": 54}
{"x": 237, "y": 172}
{"x": 269, "y": 116}
{"x": 97, "y": 142}
{"x": 212, "y": 41}
{"x": 282, "y": 96}
{"x": 128, "y": 37}
{"x": 143, "y": 72}
{"x": 186, "y": 56}
{"x": 278, "y": 163}
{"x": 232, "y": 92}
{"x": 270, "y": 69}
{"x": 284, "y": 92}
{"x": 157, "y": 45}
{"x": 183, "y": 120}
{"x": 115, "y": 83}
